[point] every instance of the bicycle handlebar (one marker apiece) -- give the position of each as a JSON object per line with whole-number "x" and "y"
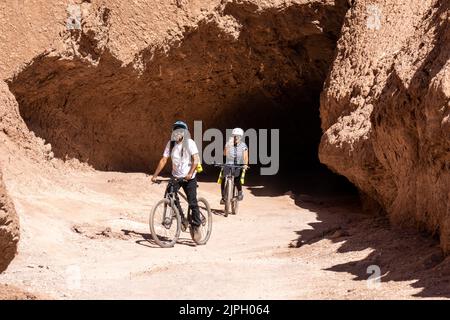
{"x": 230, "y": 165}
{"x": 159, "y": 181}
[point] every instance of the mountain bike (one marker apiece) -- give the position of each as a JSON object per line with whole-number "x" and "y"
{"x": 167, "y": 219}
{"x": 230, "y": 190}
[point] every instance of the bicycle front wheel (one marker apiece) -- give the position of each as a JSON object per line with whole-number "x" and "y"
{"x": 165, "y": 224}
{"x": 228, "y": 196}
{"x": 206, "y": 216}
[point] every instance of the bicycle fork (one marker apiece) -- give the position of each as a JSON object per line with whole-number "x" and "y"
{"x": 168, "y": 215}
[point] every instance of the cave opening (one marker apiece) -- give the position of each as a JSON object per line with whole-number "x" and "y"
{"x": 269, "y": 77}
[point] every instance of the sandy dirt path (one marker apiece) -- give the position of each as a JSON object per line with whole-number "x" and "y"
{"x": 85, "y": 235}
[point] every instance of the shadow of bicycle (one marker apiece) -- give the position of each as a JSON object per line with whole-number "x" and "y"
{"x": 218, "y": 212}
{"x": 147, "y": 240}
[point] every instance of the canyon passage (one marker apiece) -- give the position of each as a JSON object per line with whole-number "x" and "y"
{"x": 358, "y": 90}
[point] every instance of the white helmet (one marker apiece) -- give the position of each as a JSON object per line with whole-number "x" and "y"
{"x": 237, "y": 132}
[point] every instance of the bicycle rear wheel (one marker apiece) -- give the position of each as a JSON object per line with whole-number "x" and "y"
{"x": 165, "y": 224}
{"x": 235, "y": 205}
{"x": 206, "y": 217}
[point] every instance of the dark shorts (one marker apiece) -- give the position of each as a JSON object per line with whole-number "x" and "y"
{"x": 236, "y": 172}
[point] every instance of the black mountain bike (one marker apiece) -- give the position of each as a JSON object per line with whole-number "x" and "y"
{"x": 167, "y": 219}
{"x": 230, "y": 190}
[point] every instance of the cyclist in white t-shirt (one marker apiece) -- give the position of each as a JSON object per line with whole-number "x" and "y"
{"x": 185, "y": 157}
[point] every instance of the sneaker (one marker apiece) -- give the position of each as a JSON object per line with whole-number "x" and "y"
{"x": 197, "y": 236}
{"x": 222, "y": 201}
{"x": 240, "y": 196}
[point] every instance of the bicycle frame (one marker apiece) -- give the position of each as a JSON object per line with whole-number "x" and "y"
{"x": 172, "y": 195}
{"x": 230, "y": 179}
{"x": 230, "y": 176}
{"x": 173, "y": 212}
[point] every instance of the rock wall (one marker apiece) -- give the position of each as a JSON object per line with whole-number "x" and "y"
{"x": 9, "y": 228}
{"x": 385, "y": 110}
{"x": 101, "y": 80}
{"x": 243, "y": 63}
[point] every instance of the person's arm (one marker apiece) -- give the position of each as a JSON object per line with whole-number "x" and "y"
{"x": 227, "y": 147}
{"x": 195, "y": 161}
{"x": 161, "y": 165}
{"x": 195, "y": 158}
{"x": 246, "y": 159}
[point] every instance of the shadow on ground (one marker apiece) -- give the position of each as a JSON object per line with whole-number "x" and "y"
{"x": 147, "y": 240}
{"x": 401, "y": 254}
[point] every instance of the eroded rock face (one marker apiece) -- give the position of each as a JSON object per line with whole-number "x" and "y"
{"x": 9, "y": 228}
{"x": 105, "y": 91}
{"x": 385, "y": 110}
{"x": 102, "y": 81}
{"x": 244, "y": 64}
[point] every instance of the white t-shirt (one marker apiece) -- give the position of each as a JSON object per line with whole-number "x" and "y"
{"x": 181, "y": 163}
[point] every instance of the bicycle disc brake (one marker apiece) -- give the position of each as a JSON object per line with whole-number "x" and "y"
{"x": 167, "y": 222}
{"x": 184, "y": 223}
